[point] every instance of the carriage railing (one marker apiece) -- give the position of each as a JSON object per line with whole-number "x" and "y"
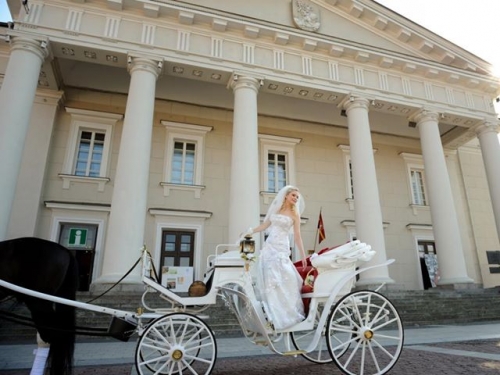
{"x": 220, "y": 253}
{"x": 178, "y": 303}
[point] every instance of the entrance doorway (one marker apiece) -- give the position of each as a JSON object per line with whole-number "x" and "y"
{"x": 428, "y": 263}
{"x": 176, "y": 259}
{"x": 80, "y": 239}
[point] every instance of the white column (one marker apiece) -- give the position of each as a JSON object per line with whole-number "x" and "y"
{"x": 490, "y": 148}
{"x": 28, "y": 200}
{"x": 367, "y": 210}
{"x": 125, "y": 235}
{"x": 452, "y": 268}
{"x": 16, "y": 101}
{"x": 244, "y": 203}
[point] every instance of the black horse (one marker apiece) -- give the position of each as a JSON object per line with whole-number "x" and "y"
{"x": 50, "y": 268}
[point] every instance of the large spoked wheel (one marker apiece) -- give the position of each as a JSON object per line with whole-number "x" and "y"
{"x": 177, "y": 343}
{"x": 364, "y": 334}
{"x": 302, "y": 339}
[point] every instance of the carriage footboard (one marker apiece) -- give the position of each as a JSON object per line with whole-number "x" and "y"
{"x": 249, "y": 313}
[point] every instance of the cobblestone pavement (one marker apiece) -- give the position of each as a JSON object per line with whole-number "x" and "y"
{"x": 478, "y": 357}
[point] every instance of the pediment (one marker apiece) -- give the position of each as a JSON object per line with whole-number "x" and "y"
{"x": 362, "y": 23}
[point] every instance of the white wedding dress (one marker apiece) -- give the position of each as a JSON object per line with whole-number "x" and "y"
{"x": 278, "y": 280}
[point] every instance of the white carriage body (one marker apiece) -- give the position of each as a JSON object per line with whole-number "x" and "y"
{"x": 342, "y": 317}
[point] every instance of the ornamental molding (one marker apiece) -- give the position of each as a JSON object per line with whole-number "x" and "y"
{"x": 291, "y": 62}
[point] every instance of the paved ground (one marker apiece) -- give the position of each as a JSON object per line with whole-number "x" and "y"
{"x": 436, "y": 350}
{"x": 461, "y": 358}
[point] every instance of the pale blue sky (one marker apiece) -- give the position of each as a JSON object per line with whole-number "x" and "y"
{"x": 470, "y": 24}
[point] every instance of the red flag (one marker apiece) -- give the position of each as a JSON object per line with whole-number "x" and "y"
{"x": 321, "y": 229}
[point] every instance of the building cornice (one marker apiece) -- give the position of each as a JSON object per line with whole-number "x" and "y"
{"x": 208, "y": 45}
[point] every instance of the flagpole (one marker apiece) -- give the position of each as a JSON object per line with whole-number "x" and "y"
{"x": 317, "y": 231}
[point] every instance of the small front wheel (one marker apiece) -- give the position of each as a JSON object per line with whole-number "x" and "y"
{"x": 177, "y": 343}
{"x": 364, "y": 334}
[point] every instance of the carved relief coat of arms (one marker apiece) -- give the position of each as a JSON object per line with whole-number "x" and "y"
{"x": 305, "y": 15}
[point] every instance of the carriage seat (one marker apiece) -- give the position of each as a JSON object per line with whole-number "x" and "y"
{"x": 329, "y": 266}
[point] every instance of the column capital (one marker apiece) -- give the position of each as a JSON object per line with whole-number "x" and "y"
{"x": 425, "y": 115}
{"x": 37, "y": 47}
{"x": 356, "y": 102}
{"x": 487, "y": 127}
{"x": 151, "y": 65}
{"x": 238, "y": 80}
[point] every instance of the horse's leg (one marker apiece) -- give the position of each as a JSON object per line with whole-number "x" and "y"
{"x": 56, "y": 328}
{"x": 65, "y": 343}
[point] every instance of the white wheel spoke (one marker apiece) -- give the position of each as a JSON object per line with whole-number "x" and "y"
{"x": 176, "y": 344}
{"x": 366, "y": 328}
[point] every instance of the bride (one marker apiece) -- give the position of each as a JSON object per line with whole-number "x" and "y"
{"x": 278, "y": 281}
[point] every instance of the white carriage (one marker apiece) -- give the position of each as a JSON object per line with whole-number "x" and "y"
{"x": 360, "y": 331}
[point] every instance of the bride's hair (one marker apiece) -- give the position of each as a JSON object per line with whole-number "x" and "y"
{"x": 279, "y": 200}
{"x": 288, "y": 191}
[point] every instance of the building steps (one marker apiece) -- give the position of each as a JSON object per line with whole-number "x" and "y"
{"x": 416, "y": 308}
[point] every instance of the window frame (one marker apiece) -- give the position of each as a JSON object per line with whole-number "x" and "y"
{"x": 415, "y": 162}
{"x": 349, "y": 188}
{"x": 92, "y": 150}
{"x": 276, "y": 162}
{"x": 277, "y": 145}
{"x": 85, "y": 120}
{"x": 421, "y": 193}
{"x": 187, "y": 133}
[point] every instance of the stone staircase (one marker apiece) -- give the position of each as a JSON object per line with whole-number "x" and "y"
{"x": 441, "y": 306}
{"x": 416, "y": 308}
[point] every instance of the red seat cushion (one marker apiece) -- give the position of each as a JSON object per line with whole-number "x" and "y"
{"x": 303, "y": 271}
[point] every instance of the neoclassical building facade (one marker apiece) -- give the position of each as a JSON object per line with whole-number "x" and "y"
{"x": 172, "y": 124}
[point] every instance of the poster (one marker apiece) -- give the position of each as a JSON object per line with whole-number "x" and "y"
{"x": 177, "y": 279}
{"x": 432, "y": 266}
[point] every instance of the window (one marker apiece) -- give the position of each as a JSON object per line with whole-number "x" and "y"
{"x": 185, "y": 144}
{"x": 348, "y": 175}
{"x": 416, "y": 181}
{"x": 417, "y": 187}
{"x": 89, "y": 153}
{"x": 276, "y": 171}
{"x": 89, "y": 147}
{"x": 183, "y": 163}
{"x": 177, "y": 249}
{"x": 278, "y": 163}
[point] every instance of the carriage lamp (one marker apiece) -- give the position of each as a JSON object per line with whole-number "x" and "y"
{"x": 247, "y": 245}
{"x": 247, "y": 250}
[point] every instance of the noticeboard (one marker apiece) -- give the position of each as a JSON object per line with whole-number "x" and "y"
{"x": 177, "y": 279}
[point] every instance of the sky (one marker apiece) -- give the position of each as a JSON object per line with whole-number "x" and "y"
{"x": 472, "y": 25}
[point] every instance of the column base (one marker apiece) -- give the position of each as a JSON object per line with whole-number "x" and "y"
{"x": 463, "y": 285}
{"x": 455, "y": 281}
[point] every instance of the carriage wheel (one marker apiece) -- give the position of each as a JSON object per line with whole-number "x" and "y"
{"x": 366, "y": 327}
{"x": 302, "y": 339}
{"x": 177, "y": 343}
